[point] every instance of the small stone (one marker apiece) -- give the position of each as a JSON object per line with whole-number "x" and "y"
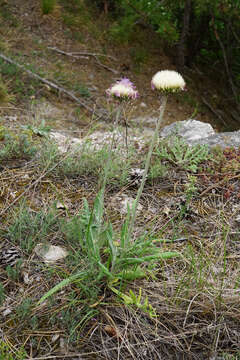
{"x": 50, "y": 253}
{"x": 122, "y": 202}
{"x": 135, "y": 176}
{"x": 237, "y": 219}
{"x": 128, "y": 201}
{"x": 166, "y": 210}
{"x": 60, "y": 205}
{"x": 6, "y": 312}
{"x": 63, "y": 346}
{"x": 55, "y": 337}
{"x": 26, "y": 277}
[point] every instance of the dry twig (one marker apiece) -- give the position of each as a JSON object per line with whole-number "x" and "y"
{"x": 84, "y": 55}
{"x": 214, "y": 111}
{"x": 54, "y": 86}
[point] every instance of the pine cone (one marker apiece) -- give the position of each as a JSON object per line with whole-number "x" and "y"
{"x": 9, "y": 256}
{"x": 135, "y": 176}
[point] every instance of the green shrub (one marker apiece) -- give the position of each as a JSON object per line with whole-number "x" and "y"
{"x": 15, "y": 146}
{"x": 7, "y": 354}
{"x": 179, "y": 153}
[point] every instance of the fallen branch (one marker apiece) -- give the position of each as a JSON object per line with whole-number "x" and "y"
{"x": 54, "y": 86}
{"x": 74, "y": 55}
{"x": 213, "y": 111}
{"x": 91, "y": 54}
{"x": 84, "y": 55}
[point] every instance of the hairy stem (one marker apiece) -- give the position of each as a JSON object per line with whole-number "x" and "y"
{"x": 109, "y": 158}
{"x": 147, "y": 164}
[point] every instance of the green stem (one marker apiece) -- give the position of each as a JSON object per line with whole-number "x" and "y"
{"x": 147, "y": 164}
{"x": 109, "y": 158}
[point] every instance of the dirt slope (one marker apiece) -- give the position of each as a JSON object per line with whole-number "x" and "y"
{"x": 28, "y": 35}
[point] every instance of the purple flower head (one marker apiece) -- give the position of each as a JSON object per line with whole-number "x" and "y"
{"x": 126, "y": 82}
{"x": 123, "y": 90}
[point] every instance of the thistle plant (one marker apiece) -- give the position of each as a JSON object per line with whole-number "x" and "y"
{"x": 164, "y": 82}
{"x": 110, "y": 255}
{"x": 123, "y": 91}
{"x": 103, "y": 258}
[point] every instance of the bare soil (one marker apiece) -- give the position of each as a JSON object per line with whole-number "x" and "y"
{"x": 34, "y": 36}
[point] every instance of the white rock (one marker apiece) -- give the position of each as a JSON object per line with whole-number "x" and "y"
{"x": 189, "y": 129}
{"x": 6, "y": 312}
{"x": 60, "y": 205}
{"x": 64, "y": 141}
{"x": 99, "y": 139}
{"x": 55, "y": 337}
{"x": 123, "y": 201}
{"x": 237, "y": 219}
{"x": 50, "y": 253}
{"x": 26, "y": 278}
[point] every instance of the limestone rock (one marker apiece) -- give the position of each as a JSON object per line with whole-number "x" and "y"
{"x": 122, "y": 202}
{"x": 50, "y": 253}
{"x": 190, "y": 130}
{"x": 225, "y": 139}
{"x": 196, "y": 132}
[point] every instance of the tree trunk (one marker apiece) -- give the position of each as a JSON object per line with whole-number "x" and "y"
{"x": 181, "y": 46}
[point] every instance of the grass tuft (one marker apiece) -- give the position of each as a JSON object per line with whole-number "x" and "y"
{"x": 47, "y": 6}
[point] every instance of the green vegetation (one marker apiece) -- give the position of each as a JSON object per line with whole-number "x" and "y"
{"x": 16, "y": 145}
{"x": 42, "y": 129}
{"x": 82, "y": 90}
{"x": 180, "y": 24}
{"x": 18, "y": 85}
{"x": 31, "y": 227}
{"x": 7, "y": 354}
{"x": 87, "y": 160}
{"x": 4, "y": 95}
{"x": 2, "y": 294}
{"x": 176, "y": 151}
{"x": 48, "y": 6}
{"x": 75, "y": 14}
{"x": 6, "y": 14}
{"x": 107, "y": 257}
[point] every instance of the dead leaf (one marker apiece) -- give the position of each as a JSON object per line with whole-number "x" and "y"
{"x": 111, "y": 331}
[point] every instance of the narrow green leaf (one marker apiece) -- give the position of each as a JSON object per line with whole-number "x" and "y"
{"x": 59, "y": 286}
{"x": 165, "y": 255}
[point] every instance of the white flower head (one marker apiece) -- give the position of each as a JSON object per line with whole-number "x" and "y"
{"x": 168, "y": 81}
{"x": 123, "y": 90}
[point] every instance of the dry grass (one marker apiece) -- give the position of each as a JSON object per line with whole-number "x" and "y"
{"x": 196, "y": 297}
